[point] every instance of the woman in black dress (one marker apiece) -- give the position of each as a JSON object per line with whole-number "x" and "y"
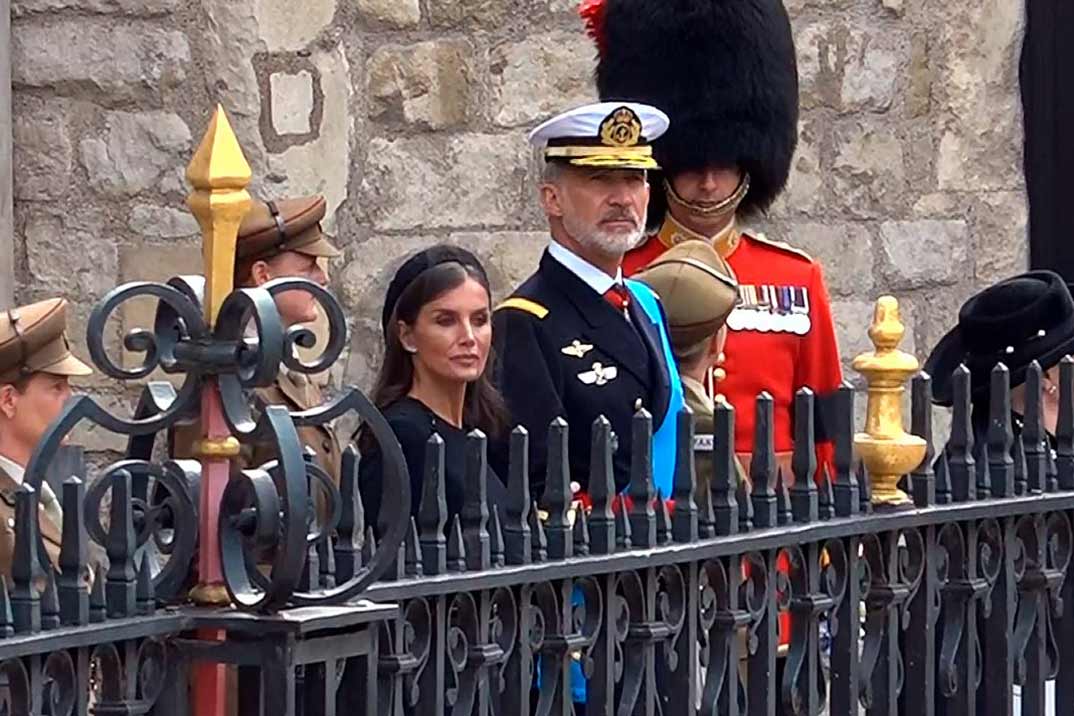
{"x": 437, "y": 323}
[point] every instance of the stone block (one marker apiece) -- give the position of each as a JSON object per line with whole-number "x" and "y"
{"x": 871, "y": 68}
{"x": 292, "y": 102}
{"x": 42, "y": 153}
{"x": 152, "y": 263}
{"x": 924, "y": 253}
{"x": 451, "y": 182}
{"x": 844, "y": 251}
{"x": 162, "y": 222}
{"x": 21, "y": 8}
{"x": 426, "y": 84}
{"x": 540, "y": 76}
{"x": 482, "y": 14}
{"x": 852, "y": 319}
{"x": 118, "y": 59}
{"x": 285, "y": 25}
{"x": 394, "y": 13}
{"x": 135, "y": 151}
{"x": 1001, "y": 240}
{"x": 895, "y": 7}
{"x": 817, "y": 54}
{"x": 805, "y": 186}
{"x": 321, "y": 165}
{"x": 70, "y": 254}
{"x": 93, "y": 437}
{"x": 977, "y": 57}
{"x": 919, "y": 92}
{"x": 868, "y": 173}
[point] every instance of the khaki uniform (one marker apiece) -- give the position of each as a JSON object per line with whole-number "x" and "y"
{"x": 269, "y": 229}
{"x": 298, "y": 392}
{"x": 50, "y": 531}
{"x": 698, "y": 292}
{"x": 33, "y": 340}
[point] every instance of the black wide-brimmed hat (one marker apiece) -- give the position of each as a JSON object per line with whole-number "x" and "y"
{"x": 1026, "y": 318}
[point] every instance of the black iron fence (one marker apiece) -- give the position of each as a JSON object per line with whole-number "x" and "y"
{"x": 635, "y": 606}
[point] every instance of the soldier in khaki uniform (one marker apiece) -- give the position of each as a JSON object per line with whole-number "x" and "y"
{"x": 698, "y": 292}
{"x": 35, "y": 364}
{"x": 283, "y": 239}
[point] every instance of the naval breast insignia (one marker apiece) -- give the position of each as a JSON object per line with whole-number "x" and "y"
{"x": 576, "y": 349}
{"x": 600, "y": 374}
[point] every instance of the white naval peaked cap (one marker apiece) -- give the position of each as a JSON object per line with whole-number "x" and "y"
{"x": 613, "y": 135}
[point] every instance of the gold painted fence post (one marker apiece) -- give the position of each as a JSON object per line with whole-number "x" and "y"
{"x": 886, "y": 449}
{"x": 219, "y": 174}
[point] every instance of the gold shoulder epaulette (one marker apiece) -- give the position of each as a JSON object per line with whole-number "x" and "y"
{"x": 758, "y": 236}
{"x": 524, "y": 304}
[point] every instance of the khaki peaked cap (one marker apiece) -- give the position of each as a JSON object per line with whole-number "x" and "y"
{"x": 33, "y": 339}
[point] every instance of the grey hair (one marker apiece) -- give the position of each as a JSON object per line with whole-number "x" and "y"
{"x": 551, "y": 172}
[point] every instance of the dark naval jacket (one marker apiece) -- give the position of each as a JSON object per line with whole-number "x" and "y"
{"x": 564, "y": 351}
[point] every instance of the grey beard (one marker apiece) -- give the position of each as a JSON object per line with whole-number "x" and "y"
{"x": 607, "y": 243}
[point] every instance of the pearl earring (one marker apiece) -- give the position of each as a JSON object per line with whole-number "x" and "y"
{"x": 410, "y": 349}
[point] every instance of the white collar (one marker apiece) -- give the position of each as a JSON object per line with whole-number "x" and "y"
{"x": 14, "y": 470}
{"x": 590, "y": 274}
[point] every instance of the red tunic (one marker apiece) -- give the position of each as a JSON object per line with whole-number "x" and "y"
{"x": 770, "y": 346}
{"x": 780, "y": 339}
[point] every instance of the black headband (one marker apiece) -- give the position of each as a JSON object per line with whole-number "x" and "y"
{"x": 418, "y": 264}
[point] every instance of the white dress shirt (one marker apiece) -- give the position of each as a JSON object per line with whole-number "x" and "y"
{"x": 590, "y": 274}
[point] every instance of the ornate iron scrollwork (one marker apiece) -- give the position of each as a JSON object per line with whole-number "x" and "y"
{"x": 267, "y": 510}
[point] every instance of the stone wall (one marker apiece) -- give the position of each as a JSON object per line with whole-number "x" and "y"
{"x": 410, "y": 116}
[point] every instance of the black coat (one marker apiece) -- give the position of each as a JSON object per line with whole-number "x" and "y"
{"x": 413, "y": 424}
{"x": 563, "y": 351}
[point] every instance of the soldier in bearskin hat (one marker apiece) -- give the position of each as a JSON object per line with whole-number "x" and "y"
{"x": 725, "y": 73}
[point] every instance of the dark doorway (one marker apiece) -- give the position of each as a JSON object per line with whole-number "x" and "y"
{"x": 1047, "y": 81}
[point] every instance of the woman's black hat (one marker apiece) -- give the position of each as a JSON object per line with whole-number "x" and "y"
{"x": 418, "y": 264}
{"x": 1027, "y": 318}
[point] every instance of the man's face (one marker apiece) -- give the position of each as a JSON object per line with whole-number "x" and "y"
{"x": 28, "y": 412}
{"x": 602, "y": 209}
{"x": 294, "y": 306}
{"x": 706, "y": 187}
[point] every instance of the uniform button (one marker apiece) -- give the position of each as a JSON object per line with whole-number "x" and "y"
{"x": 637, "y": 404}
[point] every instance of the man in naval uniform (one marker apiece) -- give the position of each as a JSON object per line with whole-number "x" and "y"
{"x": 576, "y": 340}
{"x": 283, "y": 239}
{"x": 698, "y": 293}
{"x": 725, "y": 72}
{"x": 35, "y": 365}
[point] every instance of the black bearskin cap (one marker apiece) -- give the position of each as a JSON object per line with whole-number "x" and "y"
{"x": 723, "y": 70}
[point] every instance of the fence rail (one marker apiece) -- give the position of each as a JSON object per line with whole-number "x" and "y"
{"x": 639, "y": 605}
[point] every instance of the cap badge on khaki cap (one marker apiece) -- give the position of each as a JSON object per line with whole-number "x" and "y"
{"x": 33, "y": 339}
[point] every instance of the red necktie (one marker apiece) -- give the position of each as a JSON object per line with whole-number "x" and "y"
{"x": 617, "y": 296}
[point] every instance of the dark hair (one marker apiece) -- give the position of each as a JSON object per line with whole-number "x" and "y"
{"x": 484, "y": 407}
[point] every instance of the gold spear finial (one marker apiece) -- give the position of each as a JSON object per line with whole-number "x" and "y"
{"x": 887, "y": 450}
{"x": 219, "y": 174}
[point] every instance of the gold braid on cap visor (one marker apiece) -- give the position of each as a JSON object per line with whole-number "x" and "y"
{"x": 638, "y": 157}
{"x": 727, "y": 206}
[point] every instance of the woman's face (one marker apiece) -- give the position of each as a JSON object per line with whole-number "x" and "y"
{"x": 1049, "y": 406}
{"x": 450, "y": 338}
